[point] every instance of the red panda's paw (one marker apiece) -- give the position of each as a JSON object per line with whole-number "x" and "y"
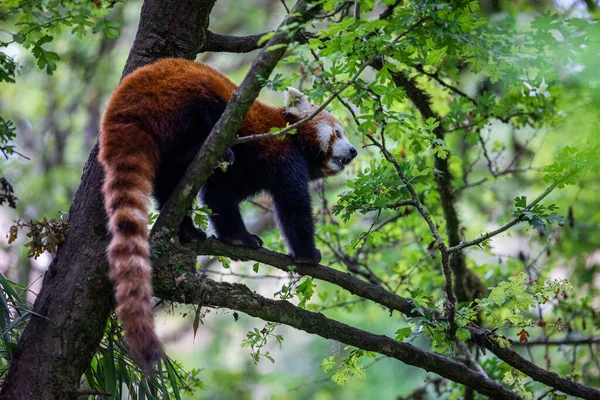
{"x": 189, "y": 233}
{"x": 243, "y": 239}
{"x": 229, "y": 156}
{"x": 313, "y": 258}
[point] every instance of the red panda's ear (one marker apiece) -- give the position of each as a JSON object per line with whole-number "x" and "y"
{"x": 296, "y": 103}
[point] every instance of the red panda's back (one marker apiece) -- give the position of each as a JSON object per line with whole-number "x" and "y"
{"x": 157, "y": 92}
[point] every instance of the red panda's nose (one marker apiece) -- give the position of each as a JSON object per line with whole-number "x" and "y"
{"x": 351, "y": 154}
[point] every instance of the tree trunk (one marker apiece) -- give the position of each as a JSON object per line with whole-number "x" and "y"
{"x": 76, "y": 297}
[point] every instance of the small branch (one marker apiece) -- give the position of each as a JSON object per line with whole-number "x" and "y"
{"x": 497, "y": 175}
{"x": 506, "y": 119}
{"x": 245, "y": 276}
{"x": 435, "y": 76}
{"x": 450, "y": 305}
{"x": 423, "y": 392}
{"x": 546, "y": 393}
{"x": 487, "y": 157}
{"x": 389, "y": 10}
{"x": 356, "y": 11}
{"x": 509, "y": 225}
{"x": 401, "y": 203}
{"x": 91, "y": 392}
{"x": 515, "y": 360}
{"x": 351, "y": 264}
{"x": 414, "y": 201}
{"x": 218, "y": 43}
{"x": 468, "y": 285}
{"x": 560, "y": 342}
{"x": 469, "y": 361}
{"x": 339, "y": 8}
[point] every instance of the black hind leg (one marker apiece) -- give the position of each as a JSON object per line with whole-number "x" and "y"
{"x": 187, "y": 230}
{"x": 226, "y": 218}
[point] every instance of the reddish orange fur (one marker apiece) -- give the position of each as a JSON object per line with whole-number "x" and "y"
{"x": 146, "y": 102}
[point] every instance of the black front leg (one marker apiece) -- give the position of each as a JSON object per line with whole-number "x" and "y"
{"x": 293, "y": 210}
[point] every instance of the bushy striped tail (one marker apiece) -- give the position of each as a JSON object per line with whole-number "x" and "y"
{"x": 129, "y": 156}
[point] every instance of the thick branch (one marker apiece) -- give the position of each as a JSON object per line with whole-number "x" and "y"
{"x": 206, "y": 292}
{"x": 222, "y": 134}
{"x": 551, "y": 379}
{"x": 214, "y": 247}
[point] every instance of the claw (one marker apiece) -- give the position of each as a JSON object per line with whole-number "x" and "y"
{"x": 189, "y": 233}
{"x": 243, "y": 239}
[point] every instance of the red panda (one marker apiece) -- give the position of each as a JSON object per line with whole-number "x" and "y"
{"x": 153, "y": 126}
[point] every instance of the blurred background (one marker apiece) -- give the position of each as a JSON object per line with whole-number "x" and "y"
{"x": 57, "y": 119}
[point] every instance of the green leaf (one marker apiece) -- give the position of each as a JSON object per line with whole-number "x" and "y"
{"x": 45, "y": 59}
{"x": 275, "y": 47}
{"x": 463, "y": 334}
{"x": 196, "y": 322}
{"x": 305, "y": 291}
{"x": 264, "y": 38}
{"x": 226, "y": 262}
{"x": 108, "y": 27}
{"x": 434, "y": 56}
{"x": 173, "y": 379}
{"x": 521, "y": 202}
{"x": 110, "y": 375}
{"x": 403, "y": 333}
{"x": 327, "y": 364}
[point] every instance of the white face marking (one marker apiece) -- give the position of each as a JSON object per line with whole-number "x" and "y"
{"x": 324, "y": 135}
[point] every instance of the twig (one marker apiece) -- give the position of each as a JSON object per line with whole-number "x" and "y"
{"x": 509, "y": 225}
{"x": 437, "y": 78}
{"x": 560, "y": 342}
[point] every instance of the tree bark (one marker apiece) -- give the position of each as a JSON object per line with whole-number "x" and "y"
{"x": 76, "y": 297}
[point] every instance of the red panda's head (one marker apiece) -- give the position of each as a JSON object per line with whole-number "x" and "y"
{"x": 323, "y": 136}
